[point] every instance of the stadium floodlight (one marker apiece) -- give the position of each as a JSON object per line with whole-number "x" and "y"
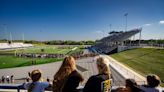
{"x": 23, "y": 37}
{"x": 126, "y": 15}
{"x": 140, "y": 37}
{"x": 110, "y": 27}
{"x": 10, "y": 37}
{"x": 5, "y": 29}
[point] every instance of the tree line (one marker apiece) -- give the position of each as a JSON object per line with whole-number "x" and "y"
{"x": 89, "y": 42}
{"x": 54, "y": 42}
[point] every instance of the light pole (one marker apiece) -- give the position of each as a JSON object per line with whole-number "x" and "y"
{"x": 103, "y": 33}
{"x": 11, "y": 37}
{"x": 5, "y": 29}
{"x": 126, "y": 17}
{"x": 140, "y": 38}
{"x": 110, "y": 27}
{"x": 23, "y": 37}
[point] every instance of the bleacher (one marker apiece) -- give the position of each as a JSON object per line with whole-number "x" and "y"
{"x": 6, "y": 46}
{"x": 111, "y": 42}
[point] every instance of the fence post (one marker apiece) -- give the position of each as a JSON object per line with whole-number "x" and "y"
{"x": 18, "y": 90}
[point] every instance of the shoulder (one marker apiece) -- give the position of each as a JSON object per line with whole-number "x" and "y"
{"x": 43, "y": 84}
{"x": 95, "y": 78}
{"x": 100, "y": 77}
{"x": 26, "y": 85}
{"x": 149, "y": 89}
{"x": 76, "y": 74}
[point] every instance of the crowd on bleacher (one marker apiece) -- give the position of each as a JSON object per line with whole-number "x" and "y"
{"x": 67, "y": 79}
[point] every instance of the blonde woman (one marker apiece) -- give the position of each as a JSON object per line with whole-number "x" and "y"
{"x": 36, "y": 85}
{"x": 94, "y": 82}
{"x": 67, "y": 78}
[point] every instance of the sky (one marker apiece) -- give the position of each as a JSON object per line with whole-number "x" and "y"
{"x": 79, "y": 19}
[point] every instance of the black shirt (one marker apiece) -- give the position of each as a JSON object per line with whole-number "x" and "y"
{"x": 94, "y": 83}
{"x": 72, "y": 82}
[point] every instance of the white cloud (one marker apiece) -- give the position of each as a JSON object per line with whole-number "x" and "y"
{"x": 161, "y": 22}
{"x": 147, "y": 24}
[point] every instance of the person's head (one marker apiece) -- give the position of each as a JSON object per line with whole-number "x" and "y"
{"x": 130, "y": 82}
{"x": 153, "y": 80}
{"x": 35, "y": 75}
{"x": 103, "y": 65}
{"x": 67, "y": 67}
{"x": 132, "y": 86}
{"x": 69, "y": 62}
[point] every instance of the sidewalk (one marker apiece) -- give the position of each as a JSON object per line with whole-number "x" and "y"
{"x": 125, "y": 71}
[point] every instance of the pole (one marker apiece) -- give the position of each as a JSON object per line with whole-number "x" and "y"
{"x": 140, "y": 39}
{"x": 5, "y": 29}
{"x": 10, "y": 37}
{"x": 110, "y": 27}
{"x": 134, "y": 40}
{"x": 23, "y": 37}
{"x": 126, "y": 20}
{"x": 103, "y": 32}
{"x": 40, "y": 39}
{"x": 126, "y": 15}
{"x": 130, "y": 41}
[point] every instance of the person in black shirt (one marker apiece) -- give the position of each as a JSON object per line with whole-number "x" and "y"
{"x": 67, "y": 78}
{"x": 95, "y": 81}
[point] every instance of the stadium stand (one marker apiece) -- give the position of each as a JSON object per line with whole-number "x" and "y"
{"x": 110, "y": 43}
{"x": 5, "y": 46}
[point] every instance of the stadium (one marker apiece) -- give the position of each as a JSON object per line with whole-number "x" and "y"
{"x": 55, "y": 46}
{"x": 18, "y": 57}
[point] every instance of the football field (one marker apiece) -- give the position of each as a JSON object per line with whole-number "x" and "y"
{"x": 8, "y": 58}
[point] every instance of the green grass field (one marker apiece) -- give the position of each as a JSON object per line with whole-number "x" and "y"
{"x": 12, "y": 61}
{"x": 9, "y": 60}
{"x": 37, "y": 49}
{"x": 47, "y": 49}
{"x": 144, "y": 61}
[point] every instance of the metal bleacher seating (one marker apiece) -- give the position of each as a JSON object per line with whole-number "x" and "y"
{"x": 111, "y": 42}
{"x": 4, "y": 46}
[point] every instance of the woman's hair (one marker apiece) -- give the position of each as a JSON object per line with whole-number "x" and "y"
{"x": 153, "y": 80}
{"x": 35, "y": 76}
{"x": 103, "y": 66}
{"x": 67, "y": 67}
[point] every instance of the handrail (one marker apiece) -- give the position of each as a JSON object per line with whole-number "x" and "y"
{"x": 19, "y": 87}
{"x": 12, "y": 86}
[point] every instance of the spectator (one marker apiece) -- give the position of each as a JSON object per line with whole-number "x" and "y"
{"x": 36, "y": 85}
{"x": 12, "y": 78}
{"x": 27, "y": 79}
{"x": 153, "y": 82}
{"x": 94, "y": 82}
{"x": 7, "y": 79}
{"x": 3, "y": 79}
{"x": 48, "y": 80}
{"x": 67, "y": 78}
{"x": 130, "y": 86}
